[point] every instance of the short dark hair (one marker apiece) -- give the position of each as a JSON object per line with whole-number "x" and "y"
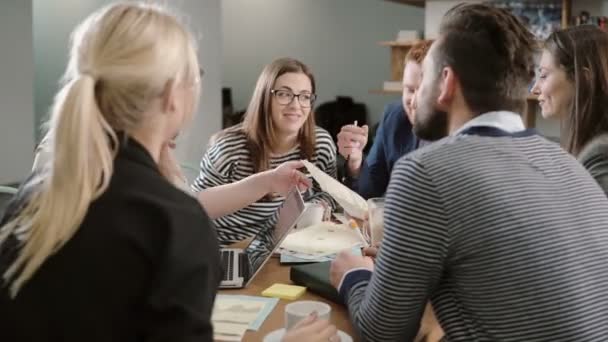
{"x": 582, "y": 52}
{"x": 492, "y": 54}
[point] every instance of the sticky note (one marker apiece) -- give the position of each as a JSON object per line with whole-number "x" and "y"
{"x": 284, "y": 291}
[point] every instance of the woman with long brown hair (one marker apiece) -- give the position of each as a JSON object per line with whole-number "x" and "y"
{"x": 572, "y": 86}
{"x": 278, "y": 127}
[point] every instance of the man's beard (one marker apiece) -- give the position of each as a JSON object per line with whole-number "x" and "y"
{"x": 430, "y": 123}
{"x": 433, "y": 127}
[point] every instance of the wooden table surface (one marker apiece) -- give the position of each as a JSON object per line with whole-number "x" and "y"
{"x": 273, "y": 273}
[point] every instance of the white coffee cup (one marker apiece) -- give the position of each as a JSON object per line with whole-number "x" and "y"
{"x": 297, "y": 311}
{"x": 376, "y": 219}
{"x": 313, "y": 214}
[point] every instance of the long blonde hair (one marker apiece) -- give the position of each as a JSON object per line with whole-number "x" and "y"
{"x": 122, "y": 57}
{"x": 257, "y": 124}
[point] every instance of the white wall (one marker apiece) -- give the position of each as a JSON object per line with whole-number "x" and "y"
{"x": 435, "y": 9}
{"x": 205, "y": 20}
{"x": 16, "y": 90}
{"x": 594, "y": 7}
{"x": 336, "y": 38}
{"x": 51, "y": 36}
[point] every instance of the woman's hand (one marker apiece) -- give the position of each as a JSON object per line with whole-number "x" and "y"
{"x": 312, "y": 329}
{"x": 286, "y": 176}
{"x": 169, "y": 166}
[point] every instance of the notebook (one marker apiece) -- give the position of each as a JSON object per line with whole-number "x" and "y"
{"x": 315, "y": 277}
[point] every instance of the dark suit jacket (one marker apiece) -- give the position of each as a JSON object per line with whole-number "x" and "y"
{"x": 394, "y": 139}
{"x": 143, "y": 266}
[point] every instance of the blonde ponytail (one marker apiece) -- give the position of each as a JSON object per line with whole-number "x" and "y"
{"x": 80, "y": 172}
{"x": 122, "y": 58}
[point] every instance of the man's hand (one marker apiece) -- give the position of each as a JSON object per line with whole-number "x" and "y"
{"x": 371, "y": 251}
{"x": 351, "y": 142}
{"x": 285, "y": 176}
{"x": 346, "y": 261}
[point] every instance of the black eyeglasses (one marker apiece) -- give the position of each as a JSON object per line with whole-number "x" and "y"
{"x": 284, "y": 97}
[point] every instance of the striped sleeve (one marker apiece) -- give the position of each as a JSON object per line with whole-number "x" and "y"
{"x": 594, "y": 158}
{"x": 389, "y": 306}
{"x": 215, "y": 167}
{"x": 325, "y": 159}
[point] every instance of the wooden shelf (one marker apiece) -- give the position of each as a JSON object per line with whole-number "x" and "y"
{"x": 398, "y": 52}
{"x": 417, "y": 3}
{"x": 408, "y": 44}
{"x": 385, "y": 92}
{"x": 566, "y": 12}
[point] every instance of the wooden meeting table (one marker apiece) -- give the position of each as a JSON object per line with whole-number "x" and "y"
{"x": 273, "y": 272}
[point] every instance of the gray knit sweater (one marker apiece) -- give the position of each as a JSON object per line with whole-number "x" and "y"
{"x": 594, "y": 158}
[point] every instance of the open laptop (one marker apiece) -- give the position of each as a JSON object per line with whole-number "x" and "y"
{"x": 242, "y": 265}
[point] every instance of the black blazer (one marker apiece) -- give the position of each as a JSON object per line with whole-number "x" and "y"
{"x": 143, "y": 266}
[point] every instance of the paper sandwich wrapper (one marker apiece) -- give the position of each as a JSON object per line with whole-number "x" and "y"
{"x": 322, "y": 239}
{"x": 352, "y": 202}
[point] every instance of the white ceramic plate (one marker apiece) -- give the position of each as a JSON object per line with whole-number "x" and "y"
{"x": 276, "y": 336}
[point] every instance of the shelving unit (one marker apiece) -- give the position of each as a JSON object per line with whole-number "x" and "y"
{"x": 398, "y": 52}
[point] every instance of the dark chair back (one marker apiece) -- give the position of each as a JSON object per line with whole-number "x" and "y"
{"x": 6, "y": 195}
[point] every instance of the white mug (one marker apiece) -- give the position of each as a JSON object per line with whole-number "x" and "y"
{"x": 297, "y": 311}
{"x": 313, "y": 214}
{"x": 376, "y": 219}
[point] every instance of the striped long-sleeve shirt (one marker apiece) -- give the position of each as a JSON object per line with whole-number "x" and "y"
{"x": 228, "y": 160}
{"x": 507, "y": 236}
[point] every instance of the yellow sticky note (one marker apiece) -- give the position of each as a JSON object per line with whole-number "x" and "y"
{"x": 290, "y": 292}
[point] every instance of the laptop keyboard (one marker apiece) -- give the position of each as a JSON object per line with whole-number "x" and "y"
{"x": 242, "y": 265}
{"x": 228, "y": 264}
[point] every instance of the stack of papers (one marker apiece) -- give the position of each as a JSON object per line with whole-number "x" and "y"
{"x": 291, "y": 257}
{"x": 322, "y": 240}
{"x": 233, "y": 315}
{"x": 303, "y": 258}
{"x": 352, "y": 202}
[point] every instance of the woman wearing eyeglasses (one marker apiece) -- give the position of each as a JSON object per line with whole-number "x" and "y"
{"x": 277, "y": 127}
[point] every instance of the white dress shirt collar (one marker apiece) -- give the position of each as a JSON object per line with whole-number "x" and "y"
{"x": 507, "y": 121}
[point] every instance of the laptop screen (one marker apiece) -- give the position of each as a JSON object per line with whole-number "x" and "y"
{"x": 268, "y": 239}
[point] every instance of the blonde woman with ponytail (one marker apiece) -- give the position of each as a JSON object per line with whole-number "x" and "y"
{"x": 98, "y": 245}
